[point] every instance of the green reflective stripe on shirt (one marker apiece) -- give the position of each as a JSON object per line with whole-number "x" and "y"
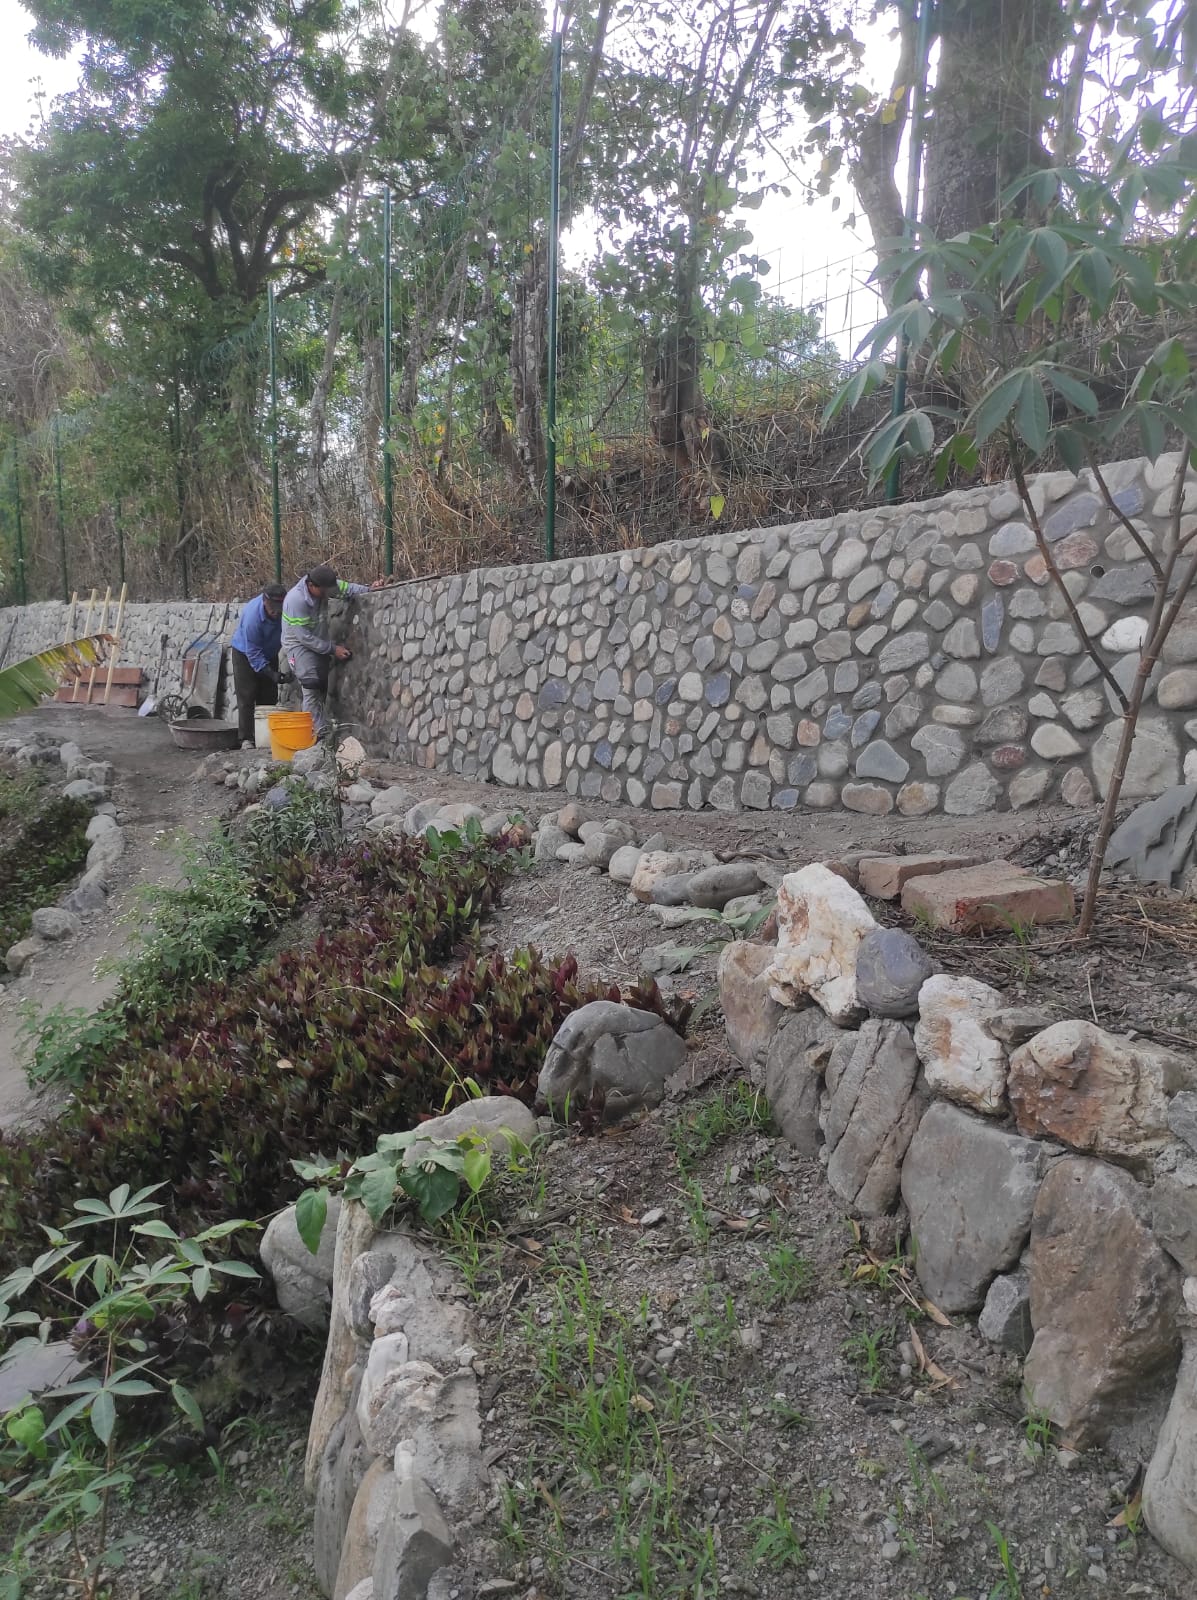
{"x": 342, "y": 586}
{"x": 298, "y": 622}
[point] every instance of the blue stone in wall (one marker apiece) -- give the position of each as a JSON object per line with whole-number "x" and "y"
{"x": 717, "y": 690}
{"x": 604, "y": 754}
{"x": 1129, "y": 500}
{"x": 1079, "y": 512}
{"x": 784, "y": 800}
{"x": 666, "y": 692}
{"x": 553, "y": 693}
{"x": 802, "y": 769}
{"x": 862, "y": 728}
{"x": 869, "y": 694}
{"x": 583, "y": 698}
{"x": 837, "y": 724}
{"x": 746, "y": 591}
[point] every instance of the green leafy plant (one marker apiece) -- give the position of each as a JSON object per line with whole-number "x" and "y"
{"x": 68, "y": 1453}
{"x": 787, "y": 1276}
{"x": 864, "y": 1351}
{"x": 43, "y": 844}
{"x": 1029, "y": 331}
{"x": 65, "y": 1043}
{"x": 1038, "y": 1429}
{"x": 735, "y": 1111}
{"x": 27, "y": 683}
{"x": 434, "y": 1173}
{"x": 776, "y": 1540}
{"x": 1009, "y": 1586}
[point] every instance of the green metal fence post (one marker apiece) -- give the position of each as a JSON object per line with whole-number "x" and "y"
{"x": 180, "y": 496}
{"x": 914, "y": 173}
{"x": 16, "y": 500}
{"x": 62, "y": 549}
{"x": 550, "y": 502}
{"x": 275, "y": 515}
{"x": 388, "y": 479}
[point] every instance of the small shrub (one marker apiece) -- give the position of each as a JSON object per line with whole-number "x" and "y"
{"x": 316, "y": 1052}
{"x": 64, "y": 1455}
{"x": 43, "y": 844}
{"x": 65, "y": 1044}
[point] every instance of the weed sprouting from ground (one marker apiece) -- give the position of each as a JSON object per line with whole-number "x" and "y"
{"x": 787, "y": 1276}
{"x": 738, "y": 1110}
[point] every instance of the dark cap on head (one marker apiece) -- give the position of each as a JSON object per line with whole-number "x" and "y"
{"x": 322, "y": 577}
{"x": 275, "y": 591}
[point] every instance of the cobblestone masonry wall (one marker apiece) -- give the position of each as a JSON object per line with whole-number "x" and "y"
{"x": 153, "y": 636}
{"x": 915, "y": 658}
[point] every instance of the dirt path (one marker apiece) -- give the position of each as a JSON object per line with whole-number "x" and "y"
{"x": 155, "y": 795}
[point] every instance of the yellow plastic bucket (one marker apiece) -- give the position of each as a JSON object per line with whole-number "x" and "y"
{"x": 290, "y": 731}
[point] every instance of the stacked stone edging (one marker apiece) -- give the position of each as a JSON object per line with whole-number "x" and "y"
{"x": 1044, "y": 1171}
{"x": 912, "y": 657}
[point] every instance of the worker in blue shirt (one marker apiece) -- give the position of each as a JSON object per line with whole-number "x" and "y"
{"x": 255, "y": 650}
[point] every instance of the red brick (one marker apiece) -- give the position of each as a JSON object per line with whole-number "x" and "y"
{"x": 883, "y": 876}
{"x": 995, "y": 895}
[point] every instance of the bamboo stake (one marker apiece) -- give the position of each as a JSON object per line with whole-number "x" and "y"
{"x": 116, "y": 642}
{"x": 91, "y": 606}
{"x": 103, "y": 629}
{"x": 70, "y": 627}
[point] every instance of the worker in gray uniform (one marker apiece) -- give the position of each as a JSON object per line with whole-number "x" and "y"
{"x": 306, "y": 645}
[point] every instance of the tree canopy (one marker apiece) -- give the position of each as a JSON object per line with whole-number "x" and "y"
{"x": 215, "y": 149}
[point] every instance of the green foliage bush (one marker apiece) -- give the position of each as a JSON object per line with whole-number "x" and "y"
{"x": 317, "y": 1051}
{"x": 42, "y": 845}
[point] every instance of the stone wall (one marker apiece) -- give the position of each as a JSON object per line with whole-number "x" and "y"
{"x": 153, "y": 635}
{"x": 916, "y": 657}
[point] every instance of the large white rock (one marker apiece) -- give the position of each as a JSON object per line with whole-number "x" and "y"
{"x": 961, "y": 1058}
{"x": 656, "y": 865}
{"x": 820, "y": 923}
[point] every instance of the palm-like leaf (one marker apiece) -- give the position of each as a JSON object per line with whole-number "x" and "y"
{"x": 29, "y": 682}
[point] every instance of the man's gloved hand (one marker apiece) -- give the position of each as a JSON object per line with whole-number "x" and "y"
{"x": 285, "y": 676}
{"x": 342, "y": 652}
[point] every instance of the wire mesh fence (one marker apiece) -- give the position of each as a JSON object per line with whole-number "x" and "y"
{"x": 168, "y": 486}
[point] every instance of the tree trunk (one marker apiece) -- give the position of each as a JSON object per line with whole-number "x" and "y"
{"x": 986, "y": 113}
{"x": 677, "y": 406}
{"x": 527, "y": 359}
{"x": 872, "y": 166}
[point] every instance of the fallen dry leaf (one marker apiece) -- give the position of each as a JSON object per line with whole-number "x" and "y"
{"x": 936, "y": 1314}
{"x": 1130, "y": 1515}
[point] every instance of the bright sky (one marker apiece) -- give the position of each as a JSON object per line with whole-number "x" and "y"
{"x": 813, "y": 255}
